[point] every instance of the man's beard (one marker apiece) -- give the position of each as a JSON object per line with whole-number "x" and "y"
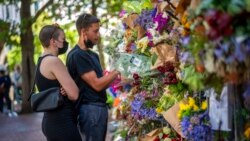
{"x": 89, "y": 43}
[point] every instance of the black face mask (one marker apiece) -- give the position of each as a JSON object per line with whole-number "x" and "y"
{"x": 89, "y": 44}
{"x": 64, "y": 48}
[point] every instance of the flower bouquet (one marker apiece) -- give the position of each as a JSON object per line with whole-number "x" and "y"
{"x": 223, "y": 44}
{"x": 195, "y": 121}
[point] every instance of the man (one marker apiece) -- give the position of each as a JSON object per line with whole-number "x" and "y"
{"x": 5, "y": 84}
{"x": 17, "y": 83}
{"x": 84, "y": 67}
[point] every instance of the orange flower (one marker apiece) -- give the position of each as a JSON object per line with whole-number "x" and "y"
{"x": 117, "y": 101}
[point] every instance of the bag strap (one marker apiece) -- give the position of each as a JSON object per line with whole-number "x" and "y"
{"x": 34, "y": 82}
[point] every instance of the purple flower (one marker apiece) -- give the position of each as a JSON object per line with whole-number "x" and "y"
{"x": 133, "y": 47}
{"x": 152, "y": 113}
{"x": 143, "y": 94}
{"x": 161, "y": 22}
{"x": 122, "y": 13}
{"x": 154, "y": 11}
{"x": 149, "y": 35}
{"x": 185, "y": 125}
{"x": 139, "y": 111}
{"x": 239, "y": 52}
{"x": 136, "y": 105}
{"x": 185, "y": 41}
{"x": 247, "y": 43}
{"x": 145, "y": 19}
{"x": 124, "y": 26}
{"x": 186, "y": 57}
{"x": 218, "y": 52}
{"x": 196, "y": 128}
{"x": 155, "y": 93}
{"x": 150, "y": 39}
{"x": 195, "y": 120}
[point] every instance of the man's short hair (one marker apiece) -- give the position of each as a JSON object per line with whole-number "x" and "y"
{"x": 85, "y": 20}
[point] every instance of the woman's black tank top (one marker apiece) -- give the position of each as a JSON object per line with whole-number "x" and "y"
{"x": 59, "y": 124}
{"x": 42, "y": 82}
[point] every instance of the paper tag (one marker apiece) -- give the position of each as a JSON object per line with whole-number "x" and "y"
{"x": 135, "y": 61}
{"x": 219, "y": 111}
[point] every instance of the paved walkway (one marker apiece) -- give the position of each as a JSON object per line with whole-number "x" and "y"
{"x": 23, "y": 128}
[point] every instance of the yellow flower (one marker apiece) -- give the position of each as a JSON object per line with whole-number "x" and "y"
{"x": 196, "y": 108}
{"x": 158, "y": 110}
{"x": 204, "y": 105}
{"x": 187, "y": 25}
{"x": 191, "y": 102}
{"x": 183, "y": 106}
{"x": 142, "y": 44}
{"x": 179, "y": 114}
{"x": 247, "y": 133}
{"x": 184, "y": 19}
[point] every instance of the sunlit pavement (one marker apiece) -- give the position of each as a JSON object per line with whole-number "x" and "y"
{"x": 23, "y": 128}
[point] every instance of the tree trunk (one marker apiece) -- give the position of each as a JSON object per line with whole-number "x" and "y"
{"x": 28, "y": 66}
{"x": 99, "y": 45}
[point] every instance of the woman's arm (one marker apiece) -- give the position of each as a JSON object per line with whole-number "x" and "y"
{"x": 60, "y": 72}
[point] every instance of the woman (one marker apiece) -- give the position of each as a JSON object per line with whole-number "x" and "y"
{"x": 59, "y": 124}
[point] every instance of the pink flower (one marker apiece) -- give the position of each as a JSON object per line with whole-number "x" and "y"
{"x": 122, "y": 13}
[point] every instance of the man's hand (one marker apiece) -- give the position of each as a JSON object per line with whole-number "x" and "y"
{"x": 63, "y": 92}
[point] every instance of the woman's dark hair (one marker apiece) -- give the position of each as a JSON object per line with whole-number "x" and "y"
{"x": 84, "y": 21}
{"x": 49, "y": 32}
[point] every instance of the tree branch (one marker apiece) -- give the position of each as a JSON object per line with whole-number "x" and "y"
{"x": 40, "y": 11}
{"x": 171, "y": 5}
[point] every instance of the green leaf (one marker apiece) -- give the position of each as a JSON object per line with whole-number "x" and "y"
{"x": 193, "y": 79}
{"x": 146, "y": 4}
{"x": 132, "y": 7}
{"x": 247, "y": 4}
{"x": 153, "y": 58}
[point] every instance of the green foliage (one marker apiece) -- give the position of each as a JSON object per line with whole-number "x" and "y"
{"x": 136, "y": 6}
{"x": 114, "y": 6}
{"x": 4, "y": 30}
{"x": 110, "y": 100}
{"x": 153, "y": 58}
{"x": 14, "y": 57}
{"x": 193, "y": 79}
{"x": 197, "y": 43}
{"x": 37, "y": 26}
{"x": 175, "y": 93}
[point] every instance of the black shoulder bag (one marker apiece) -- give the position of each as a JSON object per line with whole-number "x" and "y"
{"x": 46, "y": 100}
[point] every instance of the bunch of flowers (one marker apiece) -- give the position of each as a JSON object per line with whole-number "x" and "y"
{"x": 145, "y": 19}
{"x": 140, "y": 109}
{"x": 219, "y": 39}
{"x": 167, "y": 134}
{"x": 148, "y": 31}
{"x": 168, "y": 70}
{"x": 195, "y": 121}
{"x": 172, "y": 94}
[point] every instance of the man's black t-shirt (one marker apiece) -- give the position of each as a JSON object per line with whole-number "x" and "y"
{"x": 82, "y": 61}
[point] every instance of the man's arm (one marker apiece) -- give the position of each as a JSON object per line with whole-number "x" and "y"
{"x": 99, "y": 84}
